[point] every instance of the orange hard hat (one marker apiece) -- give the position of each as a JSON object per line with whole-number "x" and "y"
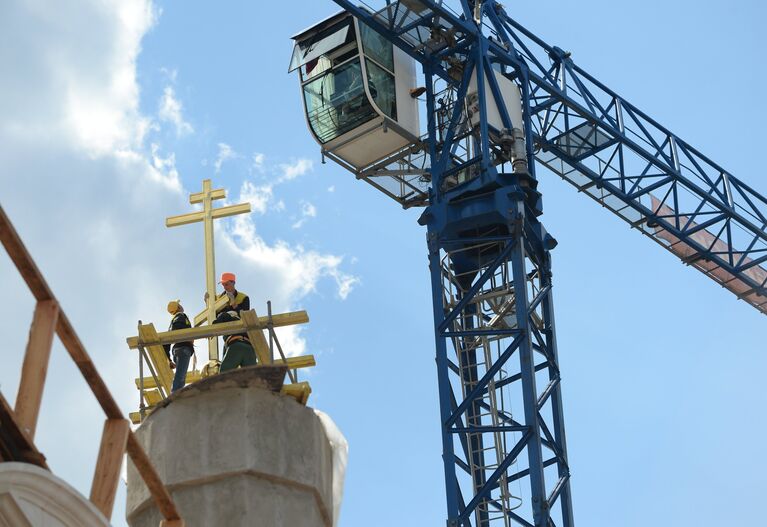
{"x": 227, "y": 277}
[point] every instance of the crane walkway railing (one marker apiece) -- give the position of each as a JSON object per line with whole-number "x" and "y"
{"x": 18, "y": 425}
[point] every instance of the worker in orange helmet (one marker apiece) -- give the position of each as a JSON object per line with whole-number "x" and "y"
{"x": 237, "y": 301}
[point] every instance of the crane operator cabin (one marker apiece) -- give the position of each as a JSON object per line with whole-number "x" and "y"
{"x": 356, "y": 90}
{"x": 360, "y": 94}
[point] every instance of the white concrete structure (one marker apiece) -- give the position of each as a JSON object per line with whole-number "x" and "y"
{"x": 33, "y": 497}
{"x": 233, "y": 452}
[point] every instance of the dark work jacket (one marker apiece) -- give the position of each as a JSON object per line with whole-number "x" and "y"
{"x": 229, "y": 316}
{"x": 241, "y": 303}
{"x": 179, "y": 321}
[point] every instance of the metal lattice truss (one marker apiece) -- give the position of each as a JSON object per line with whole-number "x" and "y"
{"x": 503, "y": 376}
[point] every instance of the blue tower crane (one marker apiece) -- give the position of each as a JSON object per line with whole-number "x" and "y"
{"x": 500, "y": 104}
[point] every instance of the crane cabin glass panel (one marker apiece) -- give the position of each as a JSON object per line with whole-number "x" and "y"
{"x": 356, "y": 91}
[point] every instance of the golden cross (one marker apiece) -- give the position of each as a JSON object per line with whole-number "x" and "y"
{"x": 206, "y": 216}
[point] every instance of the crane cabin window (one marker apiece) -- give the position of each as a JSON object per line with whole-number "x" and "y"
{"x": 333, "y": 82}
{"x": 336, "y": 101}
{"x": 379, "y": 63}
{"x": 308, "y": 53}
{"x": 347, "y": 76}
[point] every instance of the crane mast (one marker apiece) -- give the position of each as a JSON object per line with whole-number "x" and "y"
{"x": 501, "y": 103}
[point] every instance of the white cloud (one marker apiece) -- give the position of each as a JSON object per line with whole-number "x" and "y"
{"x": 165, "y": 168}
{"x": 295, "y": 169}
{"x": 332, "y": 188}
{"x": 258, "y": 161}
{"x": 307, "y": 211}
{"x": 297, "y": 271}
{"x": 258, "y": 196}
{"x": 262, "y": 196}
{"x": 171, "y": 110}
{"x": 225, "y": 153}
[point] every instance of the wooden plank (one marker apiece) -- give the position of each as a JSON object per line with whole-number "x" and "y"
{"x": 231, "y": 210}
{"x": 184, "y": 219}
{"x": 15, "y": 444}
{"x": 197, "y": 197}
{"x": 156, "y": 354}
{"x": 256, "y": 336}
{"x": 153, "y": 397}
{"x": 299, "y": 391}
{"x": 190, "y": 334}
{"x": 107, "y": 473}
{"x": 192, "y": 376}
{"x": 202, "y": 316}
{"x": 76, "y": 350}
{"x": 293, "y": 363}
{"x": 35, "y": 366}
{"x": 223, "y": 329}
{"x": 23, "y": 261}
{"x": 135, "y": 417}
{"x": 39, "y": 287}
{"x": 301, "y": 361}
{"x": 152, "y": 480}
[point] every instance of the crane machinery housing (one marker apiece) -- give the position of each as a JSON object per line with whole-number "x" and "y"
{"x": 500, "y": 104}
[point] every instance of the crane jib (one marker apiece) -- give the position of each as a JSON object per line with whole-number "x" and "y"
{"x": 647, "y": 176}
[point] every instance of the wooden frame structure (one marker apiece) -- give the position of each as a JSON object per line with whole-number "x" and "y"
{"x": 17, "y": 427}
{"x": 156, "y": 387}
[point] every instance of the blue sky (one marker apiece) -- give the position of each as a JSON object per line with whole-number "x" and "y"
{"x": 113, "y": 112}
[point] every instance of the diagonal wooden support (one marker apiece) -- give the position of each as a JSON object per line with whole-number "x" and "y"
{"x": 256, "y": 336}
{"x": 107, "y": 474}
{"x": 152, "y": 481}
{"x": 39, "y": 288}
{"x": 35, "y": 367}
{"x": 148, "y": 334}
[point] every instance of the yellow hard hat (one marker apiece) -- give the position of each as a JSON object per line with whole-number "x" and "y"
{"x": 173, "y": 306}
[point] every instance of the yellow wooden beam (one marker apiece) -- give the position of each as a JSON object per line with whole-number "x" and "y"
{"x": 194, "y": 217}
{"x": 192, "y": 376}
{"x": 299, "y": 391}
{"x": 223, "y": 329}
{"x": 256, "y": 336}
{"x": 231, "y": 210}
{"x": 293, "y": 363}
{"x": 135, "y": 417}
{"x": 202, "y": 316}
{"x": 184, "y": 219}
{"x": 183, "y": 335}
{"x": 197, "y": 197}
{"x": 152, "y": 397}
{"x": 156, "y": 354}
{"x": 302, "y": 361}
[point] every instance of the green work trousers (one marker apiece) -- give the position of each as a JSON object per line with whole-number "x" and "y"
{"x": 239, "y": 353}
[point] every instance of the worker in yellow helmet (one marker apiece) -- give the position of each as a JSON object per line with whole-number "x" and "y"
{"x": 182, "y": 351}
{"x": 237, "y": 301}
{"x": 238, "y": 351}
